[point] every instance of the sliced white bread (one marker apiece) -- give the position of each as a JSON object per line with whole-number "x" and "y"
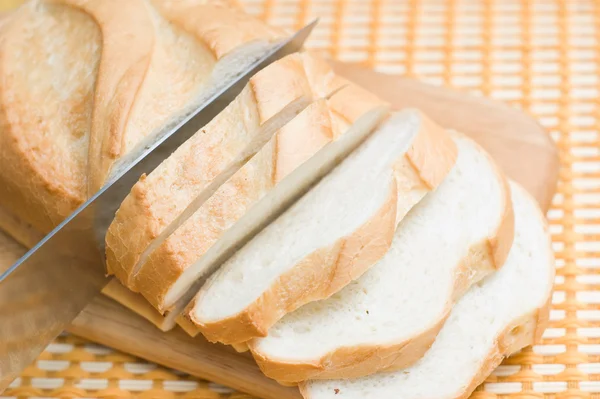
{"x": 300, "y": 153}
{"x": 329, "y": 237}
{"x": 495, "y": 318}
{"x": 157, "y": 203}
{"x": 389, "y": 317}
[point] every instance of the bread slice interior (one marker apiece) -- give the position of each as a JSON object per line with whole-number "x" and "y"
{"x": 495, "y": 318}
{"x": 390, "y": 316}
{"x": 331, "y": 235}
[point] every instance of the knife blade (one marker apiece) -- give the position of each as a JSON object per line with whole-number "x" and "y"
{"x": 47, "y": 288}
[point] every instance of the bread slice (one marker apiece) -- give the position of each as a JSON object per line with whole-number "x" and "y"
{"x": 136, "y": 303}
{"x": 85, "y": 81}
{"x": 300, "y": 153}
{"x": 389, "y": 317}
{"x": 160, "y": 202}
{"x": 330, "y": 236}
{"x": 495, "y": 318}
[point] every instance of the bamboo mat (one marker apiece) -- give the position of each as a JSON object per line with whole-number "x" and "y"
{"x": 542, "y": 56}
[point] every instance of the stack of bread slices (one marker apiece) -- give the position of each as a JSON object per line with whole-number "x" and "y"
{"x": 355, "y": 251}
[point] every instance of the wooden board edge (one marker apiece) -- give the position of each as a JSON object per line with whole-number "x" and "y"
{"x": 106, "y": 322}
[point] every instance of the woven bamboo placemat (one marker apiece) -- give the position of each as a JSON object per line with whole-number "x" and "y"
{"x": 542, "y": 56}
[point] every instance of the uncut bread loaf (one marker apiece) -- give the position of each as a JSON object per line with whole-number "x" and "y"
{"x": 389, "y": 317}
{"x": 85, "y": 82}
{"x": 329, "y": 237}
{"x": 185, "y": 214}
{"x": 495, "y": 318}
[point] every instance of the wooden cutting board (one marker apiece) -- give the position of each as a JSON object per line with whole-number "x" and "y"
{"x": 515, "y": 140}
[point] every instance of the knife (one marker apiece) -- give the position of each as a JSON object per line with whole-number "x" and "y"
{"x": 47, "y": 288}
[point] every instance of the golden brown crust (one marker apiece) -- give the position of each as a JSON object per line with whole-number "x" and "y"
{"x": 122, "y": 69}
{"x": 415, "y": 171}
{"x": 221, "y": 27}
{"x": 279, "y": 84}
{"x": 350, "y": 362}
{"x": 321, "y": 76}
{"x": 156, "y": 200}
{"x": 496, "y": 247}
{"x": 432, "y": 142}
{"x": 41, "y": 158}
{"x": 502, "y": 241}
{"x": 126, "y": 63}
{"x": 242, "y": 347}
{"x": 297, "y": 141}
{"x": 350, "y": 103}
{"x": 490, "y": 254}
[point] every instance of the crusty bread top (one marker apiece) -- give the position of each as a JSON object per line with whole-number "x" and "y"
{"x": 43, "y": 149}
{"x": 105, "y": 74}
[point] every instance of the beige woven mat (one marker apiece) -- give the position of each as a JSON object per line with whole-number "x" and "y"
{"x": 542, "y": 56}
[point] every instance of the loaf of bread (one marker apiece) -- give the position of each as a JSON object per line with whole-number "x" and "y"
{"x": 355, "y": 251}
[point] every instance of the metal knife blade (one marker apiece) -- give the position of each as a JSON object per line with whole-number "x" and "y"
{"x": 47, "y": 288}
